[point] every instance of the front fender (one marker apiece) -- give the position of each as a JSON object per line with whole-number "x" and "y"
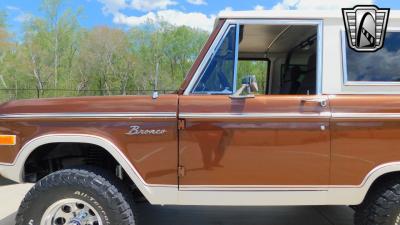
{"x": 15, "y": 170}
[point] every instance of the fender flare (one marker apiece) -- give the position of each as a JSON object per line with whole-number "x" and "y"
{"x": 376, "y": 173}
{"x": 14, "y": 171}
{"x": 355, "y": 194}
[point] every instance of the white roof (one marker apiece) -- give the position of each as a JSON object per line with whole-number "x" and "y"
{"x": 291, "y": 14}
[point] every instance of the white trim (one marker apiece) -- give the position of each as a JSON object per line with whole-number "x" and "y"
{"x": 201, "y": 115}
{"x": 283, "y": 14}
{"x": 293, "y": 14}
{"x": 252, "y": 115}
{"x": 367, "y": 115}
{"x": 288, "y": 115}
{"x": 368, "y": 180}
{"x": 253, "y": 198}
{"x": 283, "y": 195}
{"x": 276, "y": 21}
{"x": 371, "y": 83}
{"x": 213, "y": 195}
{"x": 88, "y": 115}
{"x": 250, "y": 188}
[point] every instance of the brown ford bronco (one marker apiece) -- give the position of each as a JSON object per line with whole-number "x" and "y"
{"x": 319, "y": 126}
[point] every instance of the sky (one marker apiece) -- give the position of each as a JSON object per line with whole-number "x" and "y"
{"x": 194, "y": 13}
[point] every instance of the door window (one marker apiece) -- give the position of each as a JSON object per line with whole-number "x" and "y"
{"x": 286, "y": 53}
{"x": 282, "y": 57}
{"x": 218, "y": 76}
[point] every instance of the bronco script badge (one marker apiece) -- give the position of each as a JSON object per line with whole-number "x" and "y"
{"x": 137, "y": 130}
{"x": 365, "y": 27}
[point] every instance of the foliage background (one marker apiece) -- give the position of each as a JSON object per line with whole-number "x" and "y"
{"x": 58, "y": 57}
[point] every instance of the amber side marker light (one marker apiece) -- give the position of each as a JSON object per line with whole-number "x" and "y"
{"x": 7, "y": 139}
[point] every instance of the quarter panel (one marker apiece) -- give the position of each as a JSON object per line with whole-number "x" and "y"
{"x": 365, "y": 134}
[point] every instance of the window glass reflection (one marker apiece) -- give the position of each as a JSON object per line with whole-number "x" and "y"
{"x": 380, "y": 66}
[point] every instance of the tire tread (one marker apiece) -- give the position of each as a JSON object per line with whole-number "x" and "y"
{"x": 379, "y": 206}
{"x": 117, "y": 197}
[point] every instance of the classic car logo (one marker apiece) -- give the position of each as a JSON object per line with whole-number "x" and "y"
{"x": 366, "y": 27}
{"x": 137, "y": 130}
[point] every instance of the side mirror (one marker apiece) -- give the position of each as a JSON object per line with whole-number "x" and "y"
{"x": 249, "y": 84}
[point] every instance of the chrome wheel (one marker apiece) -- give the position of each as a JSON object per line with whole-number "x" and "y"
{"x": 71, "y": 212}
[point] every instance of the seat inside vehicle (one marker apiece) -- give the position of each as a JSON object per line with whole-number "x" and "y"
{"x": 283, "y": 57}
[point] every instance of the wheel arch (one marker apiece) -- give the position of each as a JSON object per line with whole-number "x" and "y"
{"x": 377, "y": 176}
{"x": 15, "y": 170}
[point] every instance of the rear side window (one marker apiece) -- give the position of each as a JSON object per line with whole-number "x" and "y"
{"x": 380, "y": 66}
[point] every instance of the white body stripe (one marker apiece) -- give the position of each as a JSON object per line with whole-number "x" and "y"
{"x": 202, "y": 115}
{"x": 289, "y": 115}
{"x": 367, "y": 115}
{"x": 253, "y": 115}
{"x": 211, "y": 195}
{"x": 88, "y": 115}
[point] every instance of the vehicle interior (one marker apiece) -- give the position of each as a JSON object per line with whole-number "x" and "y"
{"x": 282, "y": 57}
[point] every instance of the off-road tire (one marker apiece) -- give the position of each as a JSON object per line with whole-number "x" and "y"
{"x": 94, "y": 186}
{"x": 381, "y": 206}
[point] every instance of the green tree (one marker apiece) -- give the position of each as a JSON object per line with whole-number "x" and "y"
{"x": 51, "y": 44}
{"x": 165, "y": 53}
{"x": 56, "y": 57}
{"x": 4, "y": 35}
{"x": 5, "y": 56}
{"x": 105, "y": 61}
{"x": 147, "y": 49}
{"x": 181, "y": 46}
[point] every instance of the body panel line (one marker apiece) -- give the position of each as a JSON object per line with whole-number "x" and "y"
{"x": 88, "y": 115}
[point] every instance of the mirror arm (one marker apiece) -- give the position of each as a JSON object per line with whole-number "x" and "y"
{"x": 237, "y": 94}
{"x": 249, "y": 84}
{"x": 241, "y": 96}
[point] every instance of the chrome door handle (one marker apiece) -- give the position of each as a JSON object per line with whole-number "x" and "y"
{"x": 323, "y": 102}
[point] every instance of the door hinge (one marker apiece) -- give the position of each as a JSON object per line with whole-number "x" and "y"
{"x": 181, "y": 171}
{"x": 181, "y": 124}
